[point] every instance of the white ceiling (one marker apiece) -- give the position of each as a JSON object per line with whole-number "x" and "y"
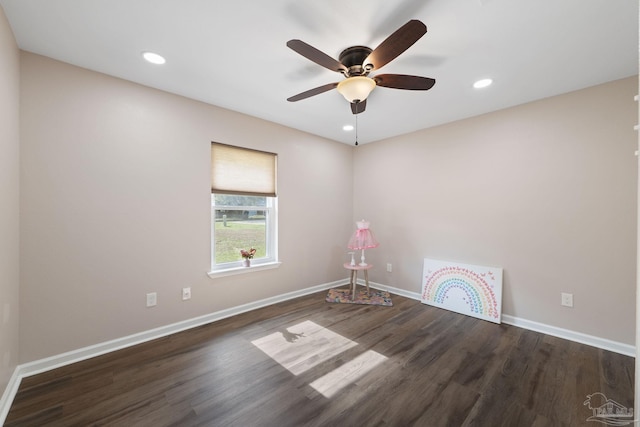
{"x": 233, "y": 53}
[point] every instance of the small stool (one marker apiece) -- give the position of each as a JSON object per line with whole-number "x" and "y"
{"x": 354, "y": 276}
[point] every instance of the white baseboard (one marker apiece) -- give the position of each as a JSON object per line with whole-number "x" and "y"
{"x": 603, "y": 343}
{"x": 53, "y": 362}
{"x": 396, "y": 291}
{"x": 57, "y": 361}
{"x": 9, "y": 394}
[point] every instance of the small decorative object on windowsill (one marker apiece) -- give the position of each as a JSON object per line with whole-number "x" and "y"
{"x": 247, "y": 256}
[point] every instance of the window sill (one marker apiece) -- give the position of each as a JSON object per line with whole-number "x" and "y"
{"x": 242, "y": 270}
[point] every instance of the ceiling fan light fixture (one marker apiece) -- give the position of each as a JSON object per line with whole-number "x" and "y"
{"x": 356, "y": 88}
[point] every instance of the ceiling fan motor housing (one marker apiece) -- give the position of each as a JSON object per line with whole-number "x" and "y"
{"x": 353, "y": 58}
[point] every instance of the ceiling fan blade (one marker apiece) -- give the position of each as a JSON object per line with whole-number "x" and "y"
{"x": 313, "y": 54}
{"x": 311, "y": 92}
{"x": 402, "y": 39}
{"x": 401, "y": 81}
{"x": 358, "y": 107}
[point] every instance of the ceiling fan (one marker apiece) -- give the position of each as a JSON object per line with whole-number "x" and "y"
{"x": 356, "y": 62}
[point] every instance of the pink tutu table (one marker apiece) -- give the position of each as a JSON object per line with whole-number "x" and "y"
{"x": 353, "y": 279}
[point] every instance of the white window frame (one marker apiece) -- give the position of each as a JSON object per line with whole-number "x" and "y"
{"x": 271, "y": 237}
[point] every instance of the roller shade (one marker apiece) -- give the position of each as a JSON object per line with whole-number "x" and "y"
{"x": 237, "y": 170}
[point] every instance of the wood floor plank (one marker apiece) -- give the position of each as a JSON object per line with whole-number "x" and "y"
{"x": 306, "y": 362}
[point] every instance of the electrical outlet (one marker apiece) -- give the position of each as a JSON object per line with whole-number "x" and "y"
{"x": 389, "y": 267}
{"x": 152, "y": 299}
{"x": 186, "y": 294}
{"x": 566, "y": 299}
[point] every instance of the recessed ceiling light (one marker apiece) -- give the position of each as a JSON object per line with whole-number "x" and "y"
{"x": 482, "y": 83}
{"x": 347, "y": 128}
{"x": 154, "y": 58}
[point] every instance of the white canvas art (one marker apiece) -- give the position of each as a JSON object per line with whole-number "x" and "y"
{"x": 466, "y": 289}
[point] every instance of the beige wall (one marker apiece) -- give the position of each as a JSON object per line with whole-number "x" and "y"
{"x": 116, "y": 203}
{"x": 545, "y": 190}
{"x": 9, "y": 201}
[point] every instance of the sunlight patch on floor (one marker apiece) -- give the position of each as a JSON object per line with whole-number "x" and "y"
{"x": 348, "y": 373}
{"x": 300, "y": 347}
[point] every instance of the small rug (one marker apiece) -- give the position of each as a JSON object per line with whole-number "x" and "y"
{"x": 376, "y": 297}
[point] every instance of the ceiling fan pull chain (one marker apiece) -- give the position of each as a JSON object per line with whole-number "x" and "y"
{"x": 356, "y": 130}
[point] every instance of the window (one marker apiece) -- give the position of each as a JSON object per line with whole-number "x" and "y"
{"x": 242, "y": 222}
{"x": 243, "y": 206}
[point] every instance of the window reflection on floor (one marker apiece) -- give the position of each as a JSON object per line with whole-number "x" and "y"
{"x": 300, "y": 347}
{"x": 348, "y": 373}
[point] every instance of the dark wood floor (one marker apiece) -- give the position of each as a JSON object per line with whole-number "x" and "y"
{"x": 434, "y": 368}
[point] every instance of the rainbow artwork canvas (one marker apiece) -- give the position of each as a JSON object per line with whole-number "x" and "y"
{"x": 466, "y": 289}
